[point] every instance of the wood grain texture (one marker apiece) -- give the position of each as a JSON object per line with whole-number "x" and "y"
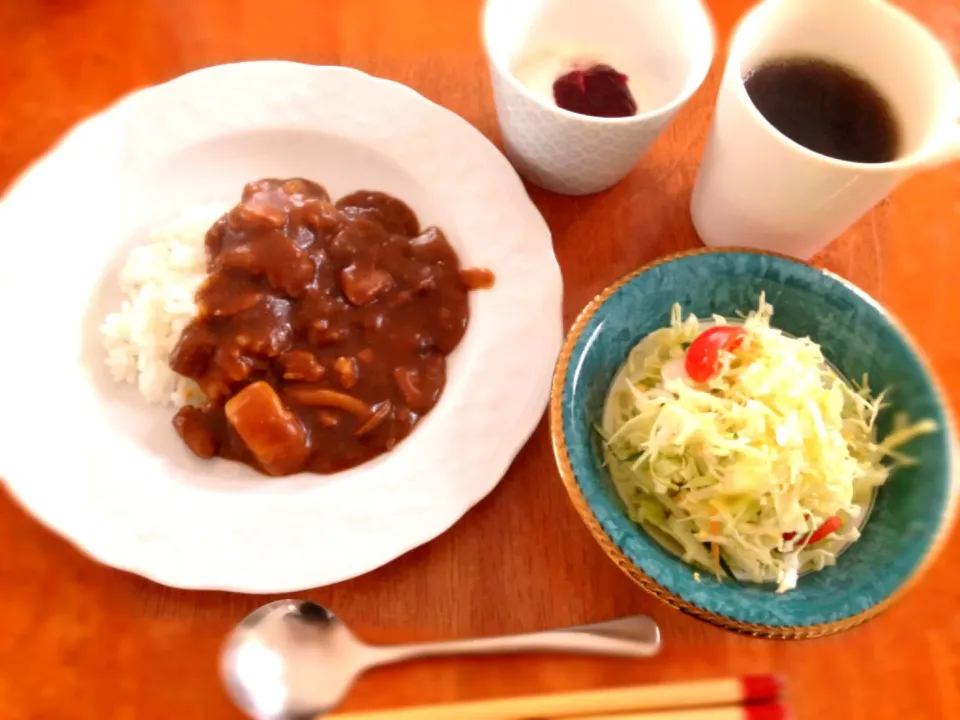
{"x": 86, "y": 642}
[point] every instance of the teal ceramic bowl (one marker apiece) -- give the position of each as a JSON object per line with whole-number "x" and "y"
{"x": 912, "y": 513}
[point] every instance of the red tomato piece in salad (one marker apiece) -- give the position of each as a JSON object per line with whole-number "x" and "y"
{"x": 830, "y": 526}
{"x": 702, "y": 360}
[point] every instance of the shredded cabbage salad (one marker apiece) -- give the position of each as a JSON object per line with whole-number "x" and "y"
{"x": 739, "y": 472}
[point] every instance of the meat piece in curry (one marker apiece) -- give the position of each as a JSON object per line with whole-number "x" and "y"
{"x": 322, "y": 328}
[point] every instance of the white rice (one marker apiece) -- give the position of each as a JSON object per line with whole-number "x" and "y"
{"x": 158, "y": 282}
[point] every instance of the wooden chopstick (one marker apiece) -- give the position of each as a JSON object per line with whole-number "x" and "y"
{"x": 594, "y": 703}
{"x": 752, "y": 711}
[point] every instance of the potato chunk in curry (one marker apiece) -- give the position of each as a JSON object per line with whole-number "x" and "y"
{"x": 269, "y": 429}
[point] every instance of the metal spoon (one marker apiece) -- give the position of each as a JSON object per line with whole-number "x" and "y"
{"x": 293, "y": 659}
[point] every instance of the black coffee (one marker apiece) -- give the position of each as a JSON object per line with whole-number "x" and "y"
{"x": 826, "y": 108}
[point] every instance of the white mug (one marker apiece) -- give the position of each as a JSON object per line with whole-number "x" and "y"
{"x": 664, "y": 47}
{"x": 759, "y": 189}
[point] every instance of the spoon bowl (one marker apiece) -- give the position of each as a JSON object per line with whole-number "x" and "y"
{"x": 291, "y": 658}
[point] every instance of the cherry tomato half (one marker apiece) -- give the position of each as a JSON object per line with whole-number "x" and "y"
{"x": 702, "y": 360}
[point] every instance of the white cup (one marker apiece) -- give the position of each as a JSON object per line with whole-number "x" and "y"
{"x": 757, "y": 188}
{"x": 665, "y": 47}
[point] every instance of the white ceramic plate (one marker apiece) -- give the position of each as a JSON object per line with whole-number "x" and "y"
{"x": 91, "y": 460}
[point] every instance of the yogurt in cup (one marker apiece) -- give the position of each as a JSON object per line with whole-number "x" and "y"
{"x": 664, "y": 47}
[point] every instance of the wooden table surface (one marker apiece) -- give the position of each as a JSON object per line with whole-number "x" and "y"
{"x": 86, "y": 642}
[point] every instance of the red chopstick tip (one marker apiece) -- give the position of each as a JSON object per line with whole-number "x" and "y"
{"x": 773, "y": 711}
{"x": 761, "y": 688}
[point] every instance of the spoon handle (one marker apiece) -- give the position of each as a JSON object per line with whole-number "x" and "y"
{"x": 634, "y": 636}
